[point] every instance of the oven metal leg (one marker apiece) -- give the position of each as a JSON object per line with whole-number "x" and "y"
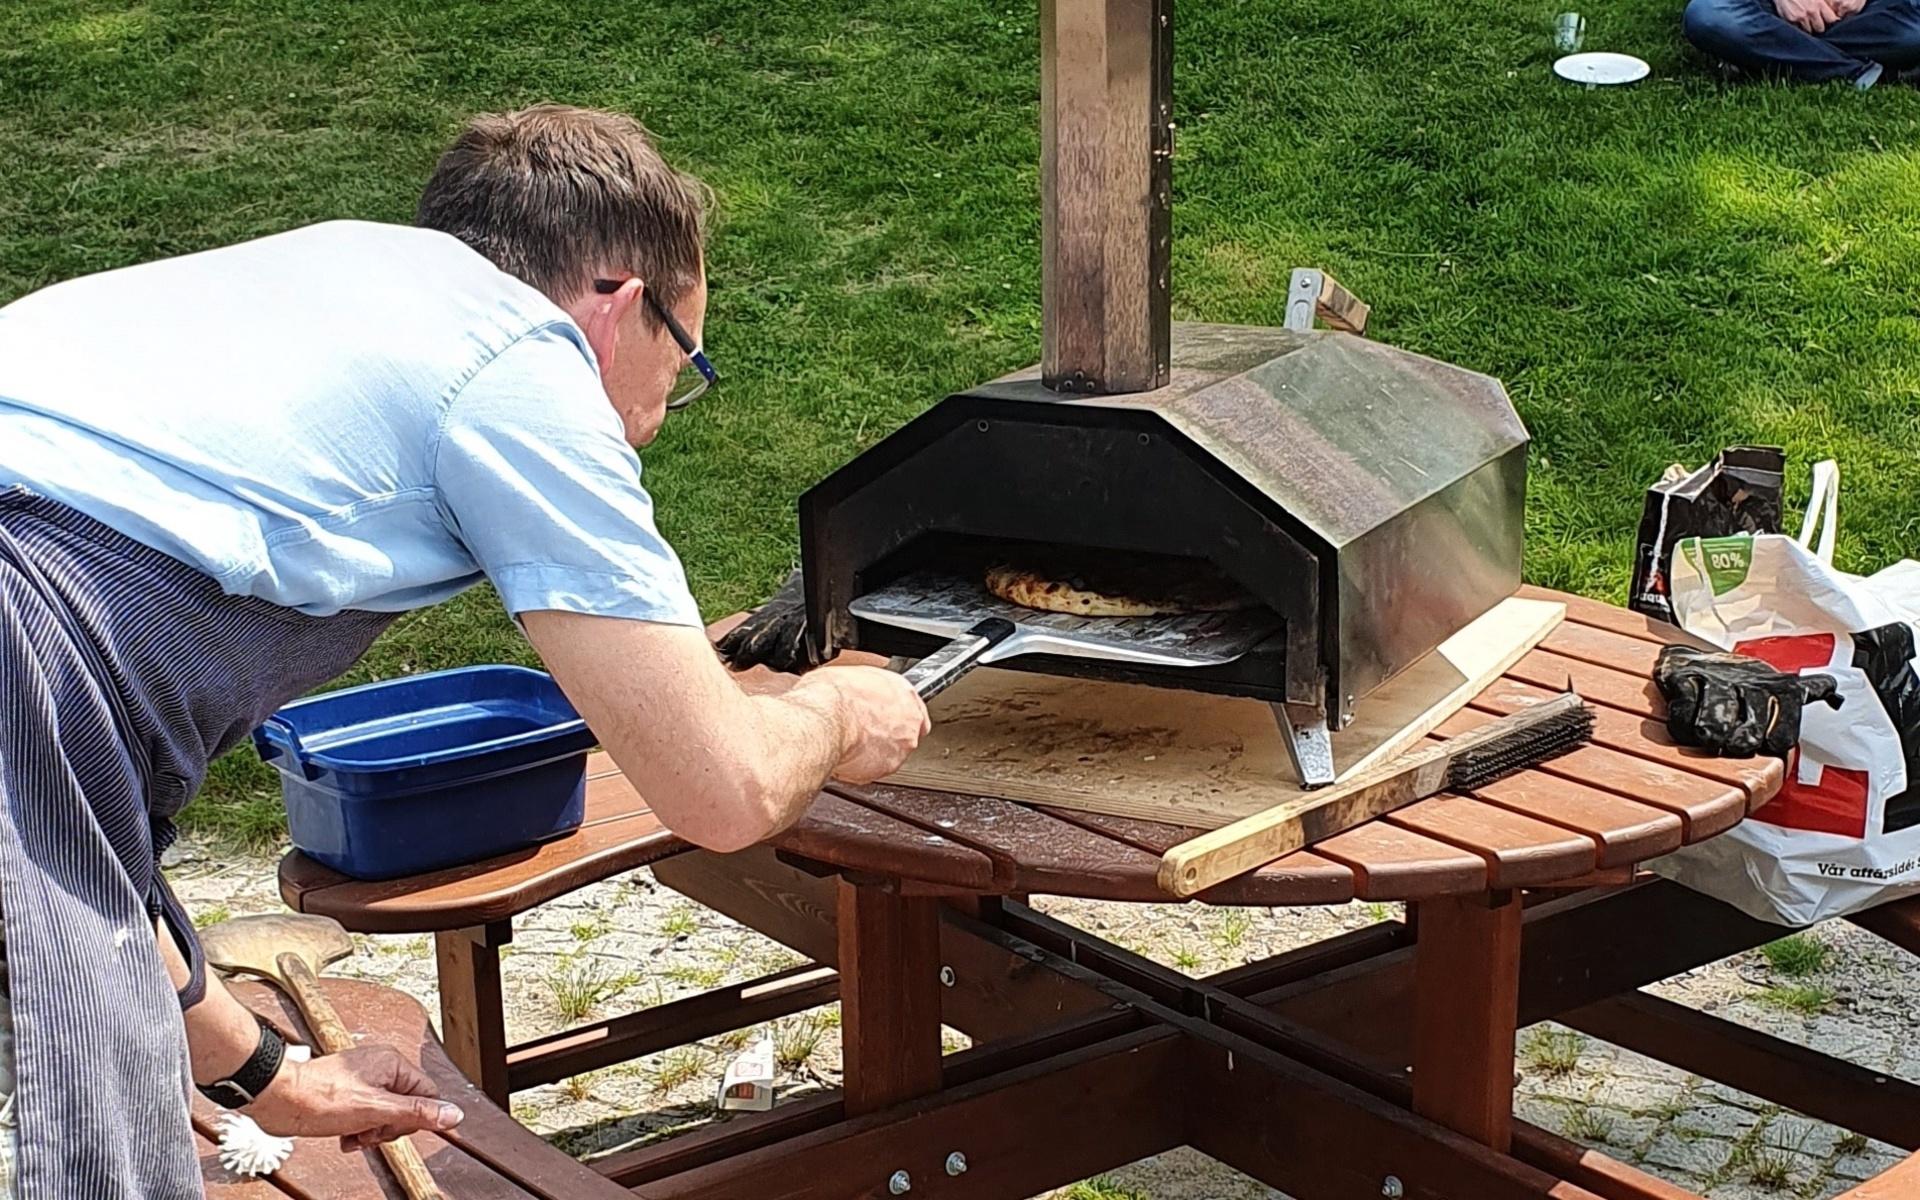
{"x": 1308, "y": 743}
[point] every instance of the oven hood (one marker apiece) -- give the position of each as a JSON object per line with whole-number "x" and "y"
{"x": 1372, "y": 498}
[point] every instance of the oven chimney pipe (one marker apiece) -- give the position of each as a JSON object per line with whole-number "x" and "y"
{"x": 1106, "y": 169}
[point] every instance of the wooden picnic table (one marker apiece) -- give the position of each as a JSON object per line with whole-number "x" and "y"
{"x": 919, "y": 896}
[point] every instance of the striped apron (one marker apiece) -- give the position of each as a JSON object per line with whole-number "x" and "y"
{"x": 123, "y": 672}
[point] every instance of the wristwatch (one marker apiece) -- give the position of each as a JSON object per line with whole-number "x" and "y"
{"x": 244, "y": 1086}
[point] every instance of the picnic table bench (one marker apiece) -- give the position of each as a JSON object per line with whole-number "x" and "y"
{"x": 1386, "y": 1054}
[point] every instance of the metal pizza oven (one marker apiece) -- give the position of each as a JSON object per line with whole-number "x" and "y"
{"x": 1370, "y": 497}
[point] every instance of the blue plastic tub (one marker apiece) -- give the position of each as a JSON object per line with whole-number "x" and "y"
{"x": 430, "y": 771}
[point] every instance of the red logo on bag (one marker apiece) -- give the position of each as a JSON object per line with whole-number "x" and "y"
{"x": 1838, "y": 803}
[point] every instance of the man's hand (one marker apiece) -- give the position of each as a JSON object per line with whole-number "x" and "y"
{"x": 363, "y": 1096}
{"x": 883, "y": 718}
{"x": 1811, "y": 15}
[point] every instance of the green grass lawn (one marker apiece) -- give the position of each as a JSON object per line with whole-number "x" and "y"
{"x": 1655, "y": 272}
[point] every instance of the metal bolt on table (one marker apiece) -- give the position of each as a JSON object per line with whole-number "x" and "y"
{"x": 1392, "y": 1188}
{"x": 947, "y": 977}
{"x": 956, "y": 1163}
{"x": 899, "y": 1183}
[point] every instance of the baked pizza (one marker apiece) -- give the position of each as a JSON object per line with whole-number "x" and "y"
{"x": 1135, "y": 586}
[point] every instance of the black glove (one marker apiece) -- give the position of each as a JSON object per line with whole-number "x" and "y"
{"x": 775, "y": 636}
{"x": 1736, "y": 705}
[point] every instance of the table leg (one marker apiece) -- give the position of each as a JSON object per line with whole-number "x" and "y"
{"x": 1466, "y": 1008}
{"x": 889, "y": 960}
{"x": 473, "y": 1023}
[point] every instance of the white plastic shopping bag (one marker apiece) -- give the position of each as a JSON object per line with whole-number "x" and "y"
{"x": 1844, "y": 832}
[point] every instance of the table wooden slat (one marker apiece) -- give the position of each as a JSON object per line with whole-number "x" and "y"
{"x": 1520, "y": 851}
{"x": 1604, "y": 648}
{"x": 1597, "y": 685}
{"x": 1597, "y": 613}
{"x": 838, "y": 831}
{"x": 1394, "y": 863}
{"x": 1031, "y": 851}
{"x": 476, "y": 894}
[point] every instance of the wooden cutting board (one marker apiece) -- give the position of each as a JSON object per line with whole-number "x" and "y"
{"x": 1187, "y": 758}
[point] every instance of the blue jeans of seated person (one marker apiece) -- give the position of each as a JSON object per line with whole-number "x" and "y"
{"x": 1749, "y": 34}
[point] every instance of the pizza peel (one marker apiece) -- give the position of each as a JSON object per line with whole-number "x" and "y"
{"x": 982, "y": 628}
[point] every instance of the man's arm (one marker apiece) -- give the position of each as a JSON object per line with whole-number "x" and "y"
{"x": 722, "y": 766}
{"x": 365, "y": 1096}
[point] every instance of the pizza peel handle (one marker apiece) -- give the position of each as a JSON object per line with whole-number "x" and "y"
{"x": 944, "y": 667}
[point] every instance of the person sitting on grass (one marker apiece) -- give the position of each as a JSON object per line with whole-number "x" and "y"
{"x": 1814, "y": 41}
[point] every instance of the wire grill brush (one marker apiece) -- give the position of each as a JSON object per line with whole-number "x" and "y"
{"x": 1460, "y": 764}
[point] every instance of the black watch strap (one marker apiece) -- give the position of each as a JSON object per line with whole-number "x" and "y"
{"x": 245, "y": 1085}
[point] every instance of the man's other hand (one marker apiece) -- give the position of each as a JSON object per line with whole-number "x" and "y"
{"x": 884, "y": 719}
{"x": 1811, "y": 15}
{"x": 363, "y": 1096}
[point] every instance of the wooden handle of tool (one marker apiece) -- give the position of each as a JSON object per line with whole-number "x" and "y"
{"x": 331, "y": 1032}
{"x": 321, "y": 1017}
{"x": 1254, "y": 841}
{"x": 410, "y": 1170}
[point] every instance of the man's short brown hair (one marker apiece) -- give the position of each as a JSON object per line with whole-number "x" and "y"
{"x": 555, "y": 194}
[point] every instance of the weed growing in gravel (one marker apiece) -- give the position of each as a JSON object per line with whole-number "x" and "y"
{"x": 1797, "y": 955}
{"x": 733, "y": 1039}
{"x": 1185, "y": 958}
{"x": 679, "y": 923}
{"x": 794, "y": 1041}
{"x": 1233, "y": 929}
{"x": 1102, "y": 1189}
{"x": 1378, "y": 912}
{"x": 211, "y": 916}
{"x": 577, "y": 988}
{"x": 580, "y": 1087}
{"x": 587, "y": 931}
{"x": 1850, "y": 1143}
{"x": 683, "y": 1064}
{"x": 1552, "y": 1052}
{"x": 1589, "y": 1124}
{"x": 1808, "y": 998}
{"x": 696, "y": 977}
{"x": 1770, "y": 1168}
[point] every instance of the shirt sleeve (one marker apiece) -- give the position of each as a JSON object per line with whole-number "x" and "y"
{"x": 536, "y": 479}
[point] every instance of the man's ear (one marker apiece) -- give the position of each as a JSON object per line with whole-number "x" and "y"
{"x": 599, "y": 316}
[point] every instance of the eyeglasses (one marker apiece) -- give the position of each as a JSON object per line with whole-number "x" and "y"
{"x": 691, "y": 383}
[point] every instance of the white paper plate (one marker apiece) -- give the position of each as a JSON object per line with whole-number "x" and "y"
{"x": 1601, "y": 67}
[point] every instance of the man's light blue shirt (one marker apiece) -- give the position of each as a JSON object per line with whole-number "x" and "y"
{"x": 346, "y": 416}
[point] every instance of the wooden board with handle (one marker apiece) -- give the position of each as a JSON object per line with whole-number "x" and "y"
{"x": 1184, "y": 758}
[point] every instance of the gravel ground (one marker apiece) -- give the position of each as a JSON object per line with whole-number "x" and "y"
{"x": 630, "y": 942}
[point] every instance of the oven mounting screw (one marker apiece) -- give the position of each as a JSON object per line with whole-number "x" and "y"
{"x": 947, "y": 977}
{"x": 899, "y": 1183}
{"x": 956, "y": 1163}
{"x": 1390, "y": 1187}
